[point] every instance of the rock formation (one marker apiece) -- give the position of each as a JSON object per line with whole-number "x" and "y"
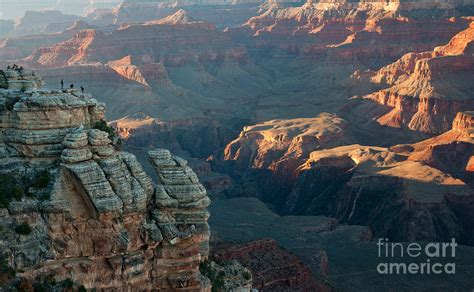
{"x": 428, "y": 89}
{"x": 282, "y": 145}
{"x": 364, "y": 185}
{"x": 273, "y": 268}
{"x": 222, "y": 13}
{"x": 345, "y": 28}
{"x": 89, "y": 213}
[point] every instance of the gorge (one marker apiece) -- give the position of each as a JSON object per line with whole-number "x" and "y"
{"x": 315, "y": 127}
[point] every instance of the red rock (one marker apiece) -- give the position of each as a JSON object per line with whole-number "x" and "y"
{"x": 273, "y": 268}
{"x": 429, "y": 88}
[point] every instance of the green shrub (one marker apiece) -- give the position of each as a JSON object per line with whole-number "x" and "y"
{"x": 23, "y": 229}
{"x": 102, "y": 125}
{"x": 8, "y": 189}
{"x": 3, "y": 80}
{"x": 10, "y": 102}
{"x": 18, "y": 193}
{"x": 5, "y": 268}
{"x": 68, "y": 283}
{"x": 217, "y": 279}
{"x": 247, "y": 275}
{"x": 82, "y": 289}
{"x": 42, "y": 180}
{"x": 44, "y": 284}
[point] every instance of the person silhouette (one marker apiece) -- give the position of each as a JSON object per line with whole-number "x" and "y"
{"x": 82, "y": 89}
{"x": 62, "y": 84}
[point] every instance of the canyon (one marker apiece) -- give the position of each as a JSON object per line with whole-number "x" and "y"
{"x": 315, "y": 127}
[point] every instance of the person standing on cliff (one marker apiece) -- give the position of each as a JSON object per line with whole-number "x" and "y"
{"x": 62, "y": 84}
{"x": 82, "y": 89}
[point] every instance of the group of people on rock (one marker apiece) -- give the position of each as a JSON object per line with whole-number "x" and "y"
{"x": 20, "y": 68}
{"x": 15, "y": 67}
{"x": 71, "y": 86}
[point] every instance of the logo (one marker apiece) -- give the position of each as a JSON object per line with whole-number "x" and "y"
{"x": 414, "y": 258}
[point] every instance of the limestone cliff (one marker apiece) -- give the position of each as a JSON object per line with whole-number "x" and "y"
{"x": 76, "y": 210}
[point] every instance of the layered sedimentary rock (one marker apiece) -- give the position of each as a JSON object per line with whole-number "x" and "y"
{"x": 428, "y": 89}
{"x": 19, "y": 47}
{"x": 272, "y": 267}
{"x": 49, "y": 21}
{"x": 363, "y": 185}
{"x": 282, "y": 145}
{"x": 166, "y": 41}
{"x": 450, "y": 152}
{"x": 345, "y": 28}
{"x": 222, "y": 13}
{"x": 241, "y": 229}
{"x": 366, "y": 185}
{"x": 94, "y": 218}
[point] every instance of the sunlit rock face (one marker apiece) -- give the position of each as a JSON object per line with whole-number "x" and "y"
{"x": 281, "y": 145}
{"x": 358, "y": 31}
{"x": 426, "y": 90}
{"x": 95, "y": 218}
{"x": 174, "y": 40}
{"x": 362, "y": 185}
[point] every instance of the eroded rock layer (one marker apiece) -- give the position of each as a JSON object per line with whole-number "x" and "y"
{"x": 406, "y": 192}
{"x": 92, "y": 215}
{"x": 428, "y": 89}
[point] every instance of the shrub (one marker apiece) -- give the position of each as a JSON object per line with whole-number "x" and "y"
{"x": 68, "y": 283}
{"x": 247, "y": 275}
{"x": 44, "y": 283}
{"x": 82, "y": 289}
{"x": 7, "y": 189}
{"x": 18, "y": 193}
{"x": 42, "y": 180}
{"x": 5, "y": 268}
{"x": 217, "y": 278}
{"x": 3, "y": 80}
{"x": 23, "y": 229}
{"x": 102, "y": 125}
{"x": 10, "y": 102}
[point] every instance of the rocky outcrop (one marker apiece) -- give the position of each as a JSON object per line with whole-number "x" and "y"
{"x": 93, "y": 216}
{"x": 429, "y": 88}
{"x": 365, "y": 185}
{"x": 169, "y": 41}
{"x": 282, "y": 145}
{"x": 222, "y": 13}
{"x": 49, "y": 21}
{"x": 272, "y": 267}
{"x": 6, "y": 26}
{"x": 19, "y": 47}
{"x": 450, "y": 152}
{"x": 341, "y": 31}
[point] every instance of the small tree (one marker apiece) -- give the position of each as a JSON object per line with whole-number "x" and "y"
{"x": 102, "y": 125}
{"x": 42, "y": 180}
{"x": 23, "y": 229}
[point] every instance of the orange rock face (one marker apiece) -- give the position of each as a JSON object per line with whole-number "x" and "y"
{"x": 430, "y": 88}
{"x": 355, "y": 31}
{"x": 174, "y": 40}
